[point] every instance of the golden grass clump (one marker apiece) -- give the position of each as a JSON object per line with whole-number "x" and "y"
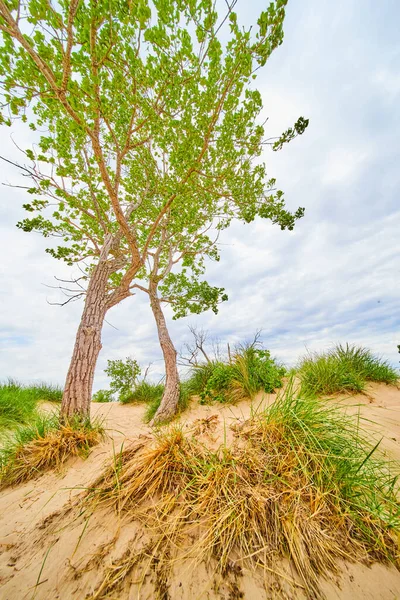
{"x": 299, "y": 482}
{"x": 47, "y": 444}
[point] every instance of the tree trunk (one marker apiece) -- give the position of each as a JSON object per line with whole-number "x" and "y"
{"x": 169, "y": 402}
{"x": 78, "y": 386}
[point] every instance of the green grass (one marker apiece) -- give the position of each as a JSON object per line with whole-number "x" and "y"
{"x": 18, "y": 402}
{"x": 145, "y": 392}
{"x": 199, "y": 377}
{"x": 45, "y": 443}
{"x": 304, "y": 482}
{"x": 251, "y": 370}
{"x": 343, "y": 369}
{"x": 103, "y": 396}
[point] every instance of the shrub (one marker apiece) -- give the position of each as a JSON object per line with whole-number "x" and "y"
{"x": 251, "y": 369}
{"x": 343, "y": 369}
{"x": 44, "y": 444}
{"x": 303, "y": 483}
{"x": 219, "y": 385}
{"x": 199, "y": 376}
{"x": 103, "y": 396}
{"x": 255, "y": 370}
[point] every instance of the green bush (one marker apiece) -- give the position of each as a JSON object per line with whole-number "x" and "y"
{"x": 251, "y": 370}
{"x": 255, "y": 370}
{"x": 199, "y": 376}
{"x": 343, "y": 369}
{"x": 18, "y": 402}
{"x": 124, "y": 376}
{"x": 103, "y": 396}
{"x": 144, "y": 392}
{"x": 218, "y": 387}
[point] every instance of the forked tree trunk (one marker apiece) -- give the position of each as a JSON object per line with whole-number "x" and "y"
{"x": 78, "y": 386}
{"x": 169, "y": 402}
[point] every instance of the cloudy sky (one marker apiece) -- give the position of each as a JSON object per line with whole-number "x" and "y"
{"x": 334, "y": 278}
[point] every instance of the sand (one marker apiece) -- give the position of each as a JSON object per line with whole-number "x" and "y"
{"x": 48, "y": 550}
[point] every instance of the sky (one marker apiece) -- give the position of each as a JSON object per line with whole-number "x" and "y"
{"x": 335, "y": 278}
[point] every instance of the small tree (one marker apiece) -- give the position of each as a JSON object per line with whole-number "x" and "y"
{"x": 141, "y": 112}
{"x": 124, "y": 375}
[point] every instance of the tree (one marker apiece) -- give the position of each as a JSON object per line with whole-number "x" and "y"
{"x": 123, "y": 374}
{"x": 183, "y": 290}
{"x": 141, "y": 112}
{"x": 187, "y": 248}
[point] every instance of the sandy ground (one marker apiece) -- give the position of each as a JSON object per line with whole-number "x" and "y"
{"x": 50, "y": 551}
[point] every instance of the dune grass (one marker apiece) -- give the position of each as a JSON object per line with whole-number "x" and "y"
{"x": 301, "y": 481}
{"x": 103, "y": 396}
{"x": 43, "y": 444}
{"x": 151, "y": 394}
{"x": 343, "y": 369}
{"x": 18, "y": 402}
{"x": 145, "y": 392}
{"x": 250, "y": 370}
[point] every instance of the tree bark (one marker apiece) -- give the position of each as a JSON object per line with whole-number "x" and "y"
{"x": 169, "y": 402}
{"x": 78, "y": 386}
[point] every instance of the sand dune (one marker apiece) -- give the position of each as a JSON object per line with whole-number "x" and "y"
{"x": 48, "y": 550}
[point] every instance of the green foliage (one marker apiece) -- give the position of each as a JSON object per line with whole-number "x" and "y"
{"x": 219, "y": 385}
{"x": 18, "y": 402}
{"x": 343, "y": 369}
{"x": 199, "y": 377}
{"x": 149, "y": 134}
{"x": 124, "y": 375}
{"x": 255, "y": 370}
{"x": 189, "y": 295}
{"x": 103, "y": 396}
{"x": 298, "y": 129}
{"x": 144, "y": 391}
{"x": 251, "y": 370}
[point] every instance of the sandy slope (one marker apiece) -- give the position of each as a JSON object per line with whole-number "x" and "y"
{"x": 44, "y": 540}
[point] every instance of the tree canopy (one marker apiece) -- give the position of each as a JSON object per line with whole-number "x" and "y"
{"x": 144, "y": 114}
{"x": 147, "y": 121}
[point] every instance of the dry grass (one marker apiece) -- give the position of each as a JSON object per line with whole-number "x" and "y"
{"x": 298, "y": 483}
{"x": 44, "y": 445}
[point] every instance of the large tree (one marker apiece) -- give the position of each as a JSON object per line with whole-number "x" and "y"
{"x": 141, "y": 112}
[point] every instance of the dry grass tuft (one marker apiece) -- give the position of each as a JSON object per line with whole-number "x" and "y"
{"x": 298, "y": 483}
{"x": 205, "y": 426}
{"x": 44, "y": 447}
